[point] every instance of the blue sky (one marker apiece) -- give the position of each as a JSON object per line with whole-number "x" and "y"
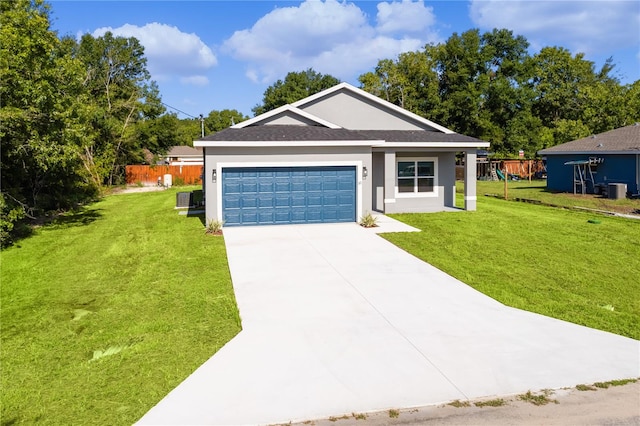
{"x": 212, "y": 55}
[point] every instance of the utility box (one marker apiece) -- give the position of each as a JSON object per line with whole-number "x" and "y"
{"x": 183, "y": 200}
{"x": 197, "y": 198}
{"x": 617, "y": 191}
{"x": 168, "y": 181}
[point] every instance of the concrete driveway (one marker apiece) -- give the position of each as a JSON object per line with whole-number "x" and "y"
{"x": 338, "y": 320}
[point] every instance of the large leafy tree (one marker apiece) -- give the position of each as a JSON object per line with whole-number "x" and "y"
{"x": 72, "y": 114}
{"x": 219, "y": 120}
{"x": 40, "y": 89}
{"x": 489, "y": 86}
{"x": 120, "y": 95}
{"x": 410, "y": 82}
{"x": 295, "y": 86}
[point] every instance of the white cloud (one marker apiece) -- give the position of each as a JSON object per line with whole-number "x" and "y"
{"x": 169, "y": 51}
{"x": 591, "y": 27}
{"x": 195, "y": 80}
{"x": 329, "y": 36}
{"x": 404, "y": 16}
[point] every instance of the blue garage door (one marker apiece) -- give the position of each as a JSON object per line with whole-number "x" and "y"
{"x": 279, "y": 195}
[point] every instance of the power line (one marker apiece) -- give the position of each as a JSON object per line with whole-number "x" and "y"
{"x": 176, "y": 109}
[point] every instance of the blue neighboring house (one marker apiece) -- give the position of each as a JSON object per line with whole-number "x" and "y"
{"x": 598, "y": 160}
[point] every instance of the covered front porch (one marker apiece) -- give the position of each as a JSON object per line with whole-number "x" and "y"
{"x": 413, "y": 180}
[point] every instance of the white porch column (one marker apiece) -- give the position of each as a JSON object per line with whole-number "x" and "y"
{"x": 389, "y": 181}
{"x": 470, "y": 176}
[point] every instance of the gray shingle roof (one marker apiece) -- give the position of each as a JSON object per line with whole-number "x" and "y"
{"x": 317, "y": 133}
{"x": 183, "y": 151}
{"x": 284, "y": 133}
{"x": 623, "y": 139}
{"x": 417, "y": 136}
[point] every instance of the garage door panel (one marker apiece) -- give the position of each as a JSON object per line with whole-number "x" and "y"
{"x": 266, "y": 216}
{"x": 232, "y": 216}
{"x": 314, "y": 200}
{"x": 314, "y": 185}
{"x": 249, "y": 202}
{"x": 278, "y": 195}
{"x": 283, "y": 185}
{"x": 250, "y": 217}
{"x": 231, "y": 187}
{"x": 282, "y": 200}
{"x": 314, "y": 215}
{"x": 298, "y": 186}
{"x": 330, "y": 185}
{"x": 233, "y": 202}
{"x": 330, "y": 200}
{"x": 297, "y": 201}
{"x": 266, "y": 201}
{"x": 282, "y": 216}
{"x": 249, "y": 187}
{"x": 266, "y": 185}
{"x": 298, "y": 214}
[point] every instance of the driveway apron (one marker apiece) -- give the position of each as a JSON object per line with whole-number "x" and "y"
{"x": 337, "y": 320}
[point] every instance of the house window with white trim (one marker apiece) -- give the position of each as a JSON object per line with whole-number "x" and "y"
{"x": 417, "y": 177}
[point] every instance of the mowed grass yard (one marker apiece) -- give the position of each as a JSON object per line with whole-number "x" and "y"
{"x": 128, "y": 277}
{"x": 542, "y": 259}
{"x": 108, "y": 310}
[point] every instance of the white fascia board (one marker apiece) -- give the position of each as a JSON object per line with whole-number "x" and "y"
{"x": 260, "y": 144}
{"x": 375, "y": 99}
{"x": 282, "y": 109}
{"x": 432, "y": 145}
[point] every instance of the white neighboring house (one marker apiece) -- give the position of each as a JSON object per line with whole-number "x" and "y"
{"x": 184, "y": 156}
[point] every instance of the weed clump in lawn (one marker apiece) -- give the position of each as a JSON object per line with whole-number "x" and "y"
{"x": 605, "y": 385}
{"x": 540, "y": 399}
{"x": 585, "y": 388}
{"x": 458, "y": 404}
{"x": 499, "y": 402}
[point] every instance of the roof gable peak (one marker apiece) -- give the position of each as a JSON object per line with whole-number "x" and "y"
{"x": 283, "y": 109}
{"x": 348, "y": 87}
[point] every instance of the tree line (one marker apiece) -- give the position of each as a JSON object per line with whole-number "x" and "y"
{"x": 74, "y": 113}
{"x": 490, "y": 87}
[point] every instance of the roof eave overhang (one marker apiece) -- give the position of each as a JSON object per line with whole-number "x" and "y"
{"x": 449, "y": 145}
{"x": 629, "y": 151}
{"x": 265, "y": 144}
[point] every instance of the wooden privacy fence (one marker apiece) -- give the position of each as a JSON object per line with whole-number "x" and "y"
{"x": 180, "y": 175}
{"x": 523, "y": 168}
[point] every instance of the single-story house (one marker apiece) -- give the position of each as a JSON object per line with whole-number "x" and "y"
{"x": 590, "y": 164}
{"x": 333, "y": 157}
{"x": 183, "y": 155}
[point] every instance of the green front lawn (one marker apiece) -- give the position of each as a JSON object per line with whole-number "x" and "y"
{"x": 537, "y": 190}
{"x": 542, "y": 259}
{"x": 107, "y": 311}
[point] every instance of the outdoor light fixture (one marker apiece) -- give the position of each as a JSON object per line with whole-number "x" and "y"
{"x": 214, "y": 176}
{"x": 365, "y": 172}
